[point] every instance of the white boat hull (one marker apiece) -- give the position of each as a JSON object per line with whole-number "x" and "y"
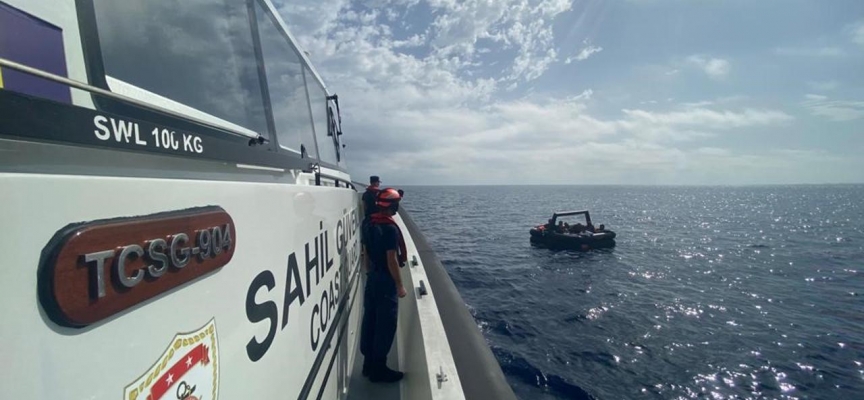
{"x": 273, "y": 221}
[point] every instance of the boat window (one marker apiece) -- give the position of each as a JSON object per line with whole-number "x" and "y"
{"x": 194, "y": 56}
{"x": 327, "y": 141}
{"x": 285, "y": 82}
{"x": 33, "y": 42}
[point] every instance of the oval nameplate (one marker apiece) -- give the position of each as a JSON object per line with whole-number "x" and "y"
{"x": 93, "y": 270}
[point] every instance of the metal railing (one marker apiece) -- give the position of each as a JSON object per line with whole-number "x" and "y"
{"x": 126, "y": 99}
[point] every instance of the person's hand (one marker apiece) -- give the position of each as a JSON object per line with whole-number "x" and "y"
{"x": 400, "y": 291}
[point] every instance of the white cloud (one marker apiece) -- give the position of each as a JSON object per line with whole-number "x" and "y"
{"x": 529, "y": 66}
{"x": 714, "y": 67}
{"x": 834, "y": 110}
{"x": 857, "y": 32}
{"x": 584, "y": 54}
{"x": 311, "y": 17}
{"x": 718, "y": 101}
{"x": 418, "y": 97}
{"x": 695, "y": 123}
{"x": 413, "y": 41}
{"x": 523, "y": 25}
{"x": 815, "y": 97}
{"x": 525, "y": 135}
{"x": 824, "y": 86}
{"x": 827, "y": 51}
{"x": 717, "y": 120}
{"x": 585, "y": 95}
{"x": 698, "y": 104}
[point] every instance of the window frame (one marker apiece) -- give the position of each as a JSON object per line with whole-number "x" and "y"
{"x": 326, "y": 120}
{"x": 249, "y": 154}
{"x": 269, "y": 8}
{"x": 277, "y": 24}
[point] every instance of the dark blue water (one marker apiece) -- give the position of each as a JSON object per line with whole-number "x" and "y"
{"x": 712, "y": 292}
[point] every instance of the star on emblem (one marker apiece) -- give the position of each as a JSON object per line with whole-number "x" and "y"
{"x": 170, "y": 379}
{"x": 188, "y": 361}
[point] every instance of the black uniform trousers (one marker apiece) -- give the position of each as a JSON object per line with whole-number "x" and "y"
{"x": 381, "y": 307}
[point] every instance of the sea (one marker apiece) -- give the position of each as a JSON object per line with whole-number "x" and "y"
{"x": 752, "y": 292}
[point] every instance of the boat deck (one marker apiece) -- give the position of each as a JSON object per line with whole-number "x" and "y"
{"x": 360, "y": 388}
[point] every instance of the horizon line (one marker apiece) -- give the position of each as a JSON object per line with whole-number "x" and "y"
{"x": 636, "y": 184}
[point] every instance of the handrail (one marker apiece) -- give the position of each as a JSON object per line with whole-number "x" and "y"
{"x": 315, "y": 168}
{"x": 328, "y": 339}
{"x": 347, "y": 182}
{"x": 102, "y": 92}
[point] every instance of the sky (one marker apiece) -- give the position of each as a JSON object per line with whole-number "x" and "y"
{"x": 593, "y": 92}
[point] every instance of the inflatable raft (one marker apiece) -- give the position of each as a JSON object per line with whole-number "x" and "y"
{"x": 549, "y": 236}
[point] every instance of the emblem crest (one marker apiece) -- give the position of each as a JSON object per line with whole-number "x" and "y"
{"x": 187, "y": 370}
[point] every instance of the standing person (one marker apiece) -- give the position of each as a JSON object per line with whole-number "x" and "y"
{"x": 369, "y": 197}
{"x": 383, "y": 288}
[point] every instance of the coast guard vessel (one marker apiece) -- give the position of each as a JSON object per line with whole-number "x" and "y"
{"x": 178, "y": 220}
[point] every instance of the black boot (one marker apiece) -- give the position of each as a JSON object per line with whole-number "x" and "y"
{"x": 384, "y": 374}
{"x": 370, "y": 365}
